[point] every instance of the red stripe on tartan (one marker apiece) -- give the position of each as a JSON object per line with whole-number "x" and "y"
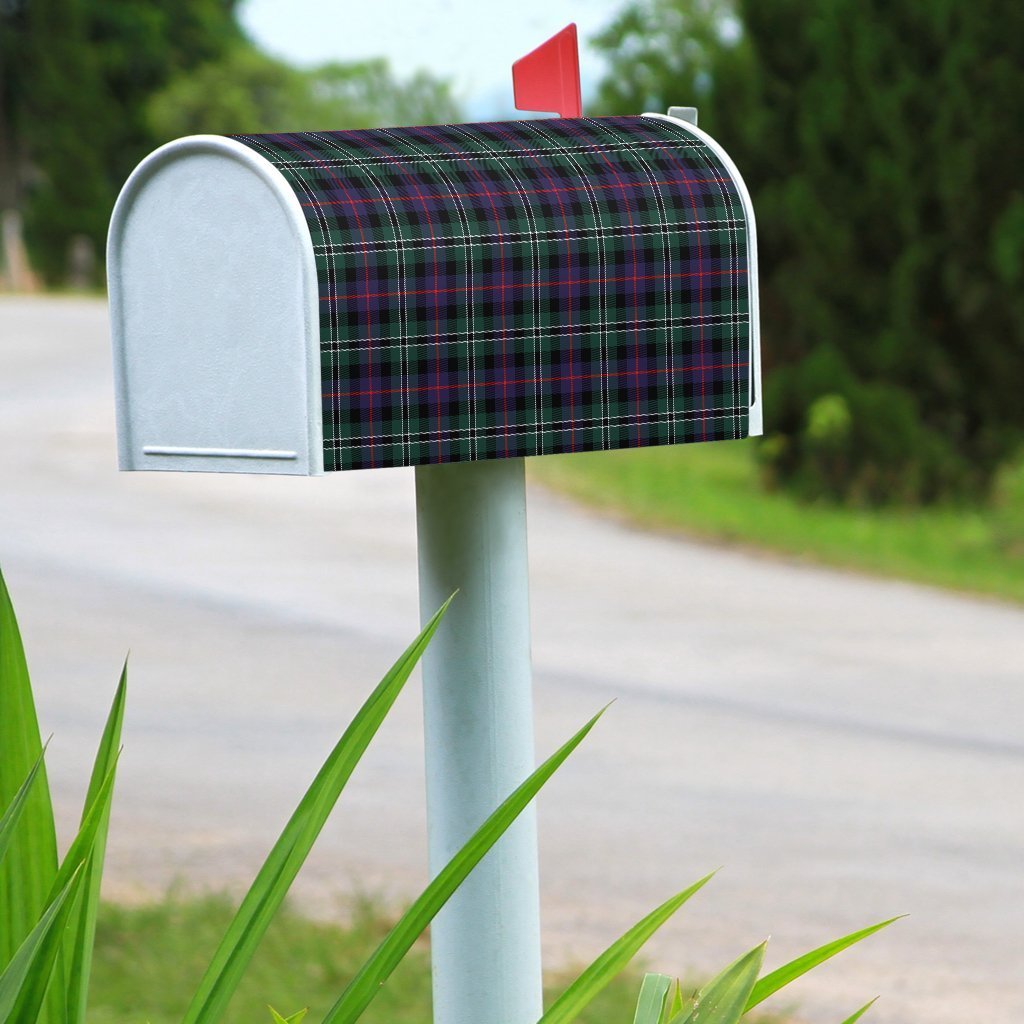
{"x": 366, "y": 258}
{"x": 515, "y": 192}
{"x": 462, "y": 158}
{"x": 700, "y": 285}
{"x": 531, "y": 284}
{"x": 636, "y": 326}
{"x": 557, "y": 193}
{"x": 434, "y": 250}
{"x": 504, "y": 382}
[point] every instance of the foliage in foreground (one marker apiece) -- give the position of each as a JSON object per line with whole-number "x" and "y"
{"x": 726, "y": 998}
{"x": 147, "y": 956}
{"x": 48, "y": 915}
{"x": 150, "y": 956}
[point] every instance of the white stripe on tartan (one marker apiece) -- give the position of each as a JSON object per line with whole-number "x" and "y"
{"x": 491, "y": 154}
{"x": 403, "y": 341}
{"x": 462, "y": 241}
{"x": 537, "y": 339}
{"x": 401, "y": 291}
{"x": 533, "y": 237}
{"x": 468, "y": 241}
{"x": 727, "y": 202}
{"x": 690, "y": 226}
{"x": 548, "y": 426}
{"x": 595, "y": 208}
{"x": 403, "y": 303}
{"x": 422, "y": 340}
{"x": 333, "y": 313}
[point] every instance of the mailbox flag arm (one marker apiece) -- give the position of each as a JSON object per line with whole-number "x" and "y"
{"x": 548, "y": 78}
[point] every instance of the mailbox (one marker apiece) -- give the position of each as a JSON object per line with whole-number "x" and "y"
{"x": 435, "y": 297}
{"x": 313, "y": 301}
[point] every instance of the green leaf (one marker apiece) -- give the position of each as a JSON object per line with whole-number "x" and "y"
{"x": 675, "y": 1006}
{"x": 651, "y": 1004}
{"x": 84, "y": 843}
{"x": 782, "y": 976}
{"x": 282, "y": 864}
{"x": 723, "y": 1000}
{"x": 82, "y": 930}
{"x": 569, "y": 1004}
{"x": 24, "y": 981}
{"x": 372, "y": 975}
{"x": 30, "y": 866}
{"x": 853, "y": 1018}
{"x": 73, "y": 865}
{"x": 17, "y": 805}
{"x": 295, "y": 1018}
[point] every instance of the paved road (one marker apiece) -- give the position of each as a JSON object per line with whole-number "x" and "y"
{"x": 846, "y": 748}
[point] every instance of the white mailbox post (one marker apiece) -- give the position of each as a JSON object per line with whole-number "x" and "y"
{"x": 453, "y": 298}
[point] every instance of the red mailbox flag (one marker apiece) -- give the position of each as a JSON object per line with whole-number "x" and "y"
{"x": 548, "y": 78}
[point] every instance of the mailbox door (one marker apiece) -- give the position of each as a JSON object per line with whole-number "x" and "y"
{"x": 214, "y": 316}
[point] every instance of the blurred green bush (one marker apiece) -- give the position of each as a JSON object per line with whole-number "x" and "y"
{"x": 1008, "y": 508}
{"x": 89, "y": 87}
{"x": 886, "y": 184}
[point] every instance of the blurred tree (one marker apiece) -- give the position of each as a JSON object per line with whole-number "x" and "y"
{"x": 248, "y": 91}
{"x": 880, "y": 143}
{"x": 88, "y": 87}
{"x": 75, "y": 76}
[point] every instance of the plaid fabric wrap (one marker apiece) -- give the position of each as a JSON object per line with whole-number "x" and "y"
{"x": 522, "y": 288}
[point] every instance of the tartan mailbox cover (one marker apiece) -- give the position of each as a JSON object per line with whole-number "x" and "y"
{"x": 316, "y": 301}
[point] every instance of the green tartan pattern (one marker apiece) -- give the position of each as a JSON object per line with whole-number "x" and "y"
{"x": 523, "y": 288}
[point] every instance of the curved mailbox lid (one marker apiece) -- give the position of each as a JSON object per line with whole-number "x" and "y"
{"x": 526, "y": 288}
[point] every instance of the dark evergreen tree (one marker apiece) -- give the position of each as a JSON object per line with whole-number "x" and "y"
{"x": 88, "y": 87}
{"x": 75, "y": 80}
{"x": 882, "y": 145}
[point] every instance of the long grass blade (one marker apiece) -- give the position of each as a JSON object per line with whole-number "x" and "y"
{"x": 26, "y": 976}
{"x": 13, "y": 813}
{"x": 854, "y": 1017}
{"x": 81, "y": 935}
{"x": 675, "y": 1006}
{"x": 84, "y": 843}
{"x": 30, "y": 866}
{"x": 282, "y": 864}
{"x": 73, "y": 866}
{"x": 723, "y": 1000}
{"x": 595, "y": 977}
{"x": 782, "y": 976}
{"x": 295, "y": 1018}
{"x": 651, "y": 1004}
{"x": 372, "y": 975}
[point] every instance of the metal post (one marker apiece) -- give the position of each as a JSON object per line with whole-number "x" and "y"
{"x": 478, "y": 712}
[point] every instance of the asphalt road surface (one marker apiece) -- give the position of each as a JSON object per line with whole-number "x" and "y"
{"x": 846, "y": 748}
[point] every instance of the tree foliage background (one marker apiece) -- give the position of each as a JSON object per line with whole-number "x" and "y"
{"x": 89, "y": 87}
{"x": 881, "y": 143}
{"x": 880, "y": 139}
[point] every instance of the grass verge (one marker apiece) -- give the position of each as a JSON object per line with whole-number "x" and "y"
{"x": 712, "y": 491}
{"x": 149, "y": 959}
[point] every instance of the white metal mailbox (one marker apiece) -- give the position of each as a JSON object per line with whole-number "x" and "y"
{"x": 308, "y": 301}
{"x": 213, "y": 295}
{"x": 437, "y": 297}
